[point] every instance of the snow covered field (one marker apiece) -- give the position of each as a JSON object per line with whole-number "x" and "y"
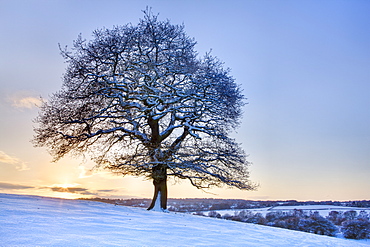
{"x": 40, "y": 221}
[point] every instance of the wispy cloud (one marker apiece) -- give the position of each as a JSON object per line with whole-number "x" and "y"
{"x": 10, "y": 186}
{"x": 28, "y": 102}
{"x": 80, "y": 190}
{"x": 84, "y": 172}
{"x": 74, "y": 190}
{"x": 11, "y": 160}
{"x": 24, "y": 100}
{"x": 107, "y": 191}
{"x": 89, "y": 172}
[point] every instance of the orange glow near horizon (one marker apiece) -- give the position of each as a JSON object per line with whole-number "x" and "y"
{"x": 67, "y": 195}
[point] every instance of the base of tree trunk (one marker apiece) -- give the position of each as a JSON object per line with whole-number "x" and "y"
{"x": 157, "y": 204}
{"x": 159, "y": 201}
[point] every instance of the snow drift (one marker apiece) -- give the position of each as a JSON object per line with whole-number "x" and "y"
{"x": 40, "y": 221}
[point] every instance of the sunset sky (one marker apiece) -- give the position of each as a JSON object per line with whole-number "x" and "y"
{"x": 303, "y": 65}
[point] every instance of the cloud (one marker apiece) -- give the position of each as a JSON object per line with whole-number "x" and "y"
{"x": 24, "y": 100}
{"x": 10, "y": 186}
{"x": 106, "y": 191}
{"x": 28, "y": 102}
{"x": 89, "y": 172}
{"x": 84, "y": 172}
{"x": 7, "y": 159}
{"x": 81, "y": 191}
{"x": 73, "y": 190}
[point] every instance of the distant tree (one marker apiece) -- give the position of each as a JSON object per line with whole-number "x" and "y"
{"x": 199, "y": 213}
{"x": 214, "y": 214}
{"x": 336, "y": 217}
{"x": 363, "y": 215}
{"x": 220, "y": 206}
{"x": 292, "y": 222}
{"x": 273, "y": 216}
{"x": 227, "y": 216}
{"x": 356, "y": 229}
{"x": 242, "y": 215}
{"x": 140, "y": 102}
{"x": 318, "y": 225}
{"x": 256, "y": 218}
{"x": 350, "y": 215}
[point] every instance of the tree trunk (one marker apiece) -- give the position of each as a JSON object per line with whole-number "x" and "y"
{"x": 160, "y": 188}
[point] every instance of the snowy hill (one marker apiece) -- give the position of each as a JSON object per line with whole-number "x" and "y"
{"x": 40, "y": 221}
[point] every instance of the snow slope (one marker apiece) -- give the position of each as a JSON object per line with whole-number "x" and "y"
{"x": 40, "y": 221}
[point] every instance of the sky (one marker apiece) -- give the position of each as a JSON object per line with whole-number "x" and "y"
{"x": 303, "y": 65}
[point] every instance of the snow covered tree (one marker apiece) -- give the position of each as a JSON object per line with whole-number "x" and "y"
{"x": 350, "y": 215}
{"x": 356, "y": 229}
{"x": 318, "y": 225}
{"x": 139, "y": 101}
{"x": 214, "y": 214}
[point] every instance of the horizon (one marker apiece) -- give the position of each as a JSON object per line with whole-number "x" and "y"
{"x": 303, "y": 67}
{"x": 182, "y": 198}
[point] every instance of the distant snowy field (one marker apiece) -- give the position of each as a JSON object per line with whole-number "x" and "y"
{"x": 323, "y": 210}
{"x": 40, "y": 221}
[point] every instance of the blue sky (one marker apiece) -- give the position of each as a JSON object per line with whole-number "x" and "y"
{"x": 303, "y": 65}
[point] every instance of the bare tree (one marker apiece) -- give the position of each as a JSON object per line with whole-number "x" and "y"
{"x": 140, "y": 102}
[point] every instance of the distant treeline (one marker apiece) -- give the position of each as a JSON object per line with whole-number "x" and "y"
{"x": 205, "y": 204}
{"x": 349, "y": 224}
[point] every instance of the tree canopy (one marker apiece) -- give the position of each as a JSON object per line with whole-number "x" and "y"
{"x": 140, "y": 101}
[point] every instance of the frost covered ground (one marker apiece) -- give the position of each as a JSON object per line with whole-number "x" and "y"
{"x": 40, "y": 221}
